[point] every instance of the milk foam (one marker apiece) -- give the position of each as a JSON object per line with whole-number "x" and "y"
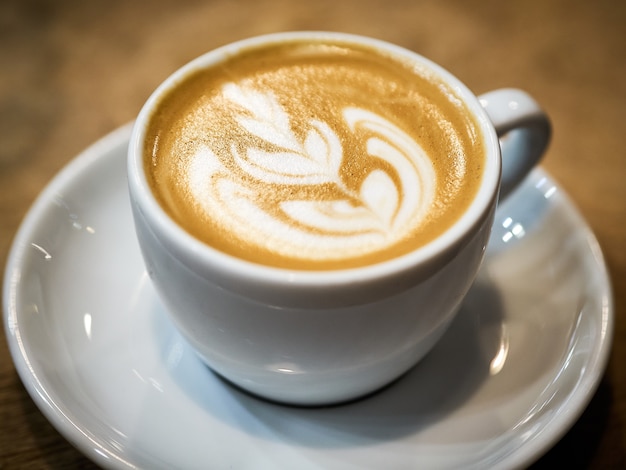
{"x": 390, "y": 202}
{"x": 313, "y": 155}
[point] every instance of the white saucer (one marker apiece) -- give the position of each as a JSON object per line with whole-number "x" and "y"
{"x": 99, "y": 356}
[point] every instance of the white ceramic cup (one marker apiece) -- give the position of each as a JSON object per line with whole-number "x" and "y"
{"x": 321, "y": 337}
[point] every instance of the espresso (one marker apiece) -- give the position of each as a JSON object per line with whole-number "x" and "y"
{"x": 314, "y": 155}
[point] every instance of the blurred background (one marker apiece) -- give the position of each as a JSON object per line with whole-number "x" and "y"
{"x": 72, "y": 71}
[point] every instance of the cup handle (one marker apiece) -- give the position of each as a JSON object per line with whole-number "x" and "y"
{"x": 523, "y": 129}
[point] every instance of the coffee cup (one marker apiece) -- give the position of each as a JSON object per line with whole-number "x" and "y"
{"x": 313, "y": 207}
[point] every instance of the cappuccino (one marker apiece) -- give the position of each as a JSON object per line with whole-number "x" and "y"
{"x": 314, "y": 155}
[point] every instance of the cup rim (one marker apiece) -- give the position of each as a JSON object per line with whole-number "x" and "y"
{"x": 204, "y": 257}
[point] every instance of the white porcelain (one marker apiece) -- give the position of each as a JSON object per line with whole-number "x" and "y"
{"x": 99, "y": 356}
{"x": 319, "y": 337}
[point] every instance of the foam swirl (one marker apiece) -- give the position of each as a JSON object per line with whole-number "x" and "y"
{"x": 389, "y": 202}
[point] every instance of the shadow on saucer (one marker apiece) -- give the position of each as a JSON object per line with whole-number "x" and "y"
{"x": 441, "y": 383}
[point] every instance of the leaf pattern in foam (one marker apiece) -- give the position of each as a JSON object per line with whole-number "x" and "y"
{"x": 271, "y": 167}
{"x": 316, "y": 161}
{"x": 406, "y": 156}
{"x": 332, "y": 217}
{"x": 376, "y": 214}
{"x": 378, "y": 192}
{"x": 323, "y": 146}
{"x": 267, "y": 119}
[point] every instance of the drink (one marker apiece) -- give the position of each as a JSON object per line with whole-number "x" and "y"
{"x": 314, "y": 155}
{"x": 317, "y": 152}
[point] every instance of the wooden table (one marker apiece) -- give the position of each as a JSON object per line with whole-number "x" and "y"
{"x": 73, "y": 71}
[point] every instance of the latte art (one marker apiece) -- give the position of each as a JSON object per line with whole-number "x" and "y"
{"x": 313, "y": 156}
{"x": 373, "y": 216}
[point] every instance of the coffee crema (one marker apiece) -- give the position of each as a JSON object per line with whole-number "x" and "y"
{"x": 314, "y": 155}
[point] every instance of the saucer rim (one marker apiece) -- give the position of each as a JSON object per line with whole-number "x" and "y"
{"x": 527, "y": 453}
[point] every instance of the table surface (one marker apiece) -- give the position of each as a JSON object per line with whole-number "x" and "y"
{"x": 73, "y": 71}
